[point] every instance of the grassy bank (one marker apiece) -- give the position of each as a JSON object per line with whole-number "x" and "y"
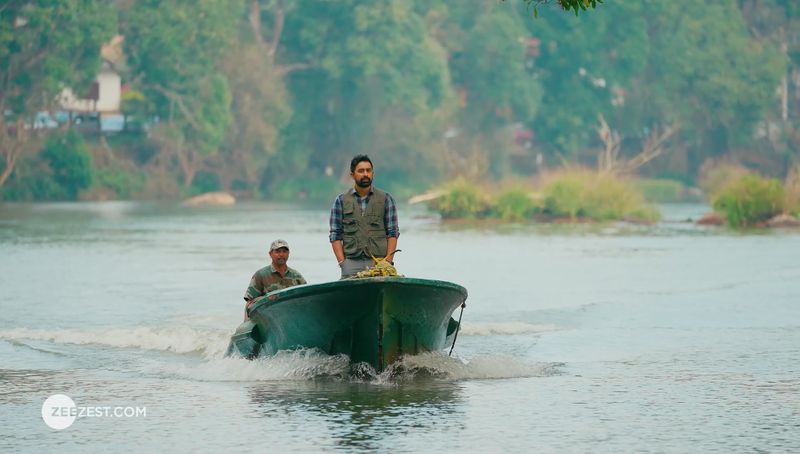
{"x": 574, "y": 194}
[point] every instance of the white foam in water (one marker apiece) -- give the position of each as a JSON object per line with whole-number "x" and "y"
{"x": 442, "y": 366}
{"x": 303, "y": 364}
{"x": 488, "y": 329}
{"x": 300, "y": 364}
{"x": 212, "y": 343}
{"x": 306, "y": 364}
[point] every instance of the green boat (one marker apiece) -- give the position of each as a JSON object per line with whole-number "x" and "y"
{"x": 374, "y": 320}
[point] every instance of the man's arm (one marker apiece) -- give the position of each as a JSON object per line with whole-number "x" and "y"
{"x": 391, "y": 246}
{"x": 338, "y": 251}
{"x": 254, "y": 289}
{"x": 392, "y": 227}
{"x": 336, "y": 230}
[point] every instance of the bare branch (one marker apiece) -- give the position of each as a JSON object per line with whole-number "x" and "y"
{"x": 255, "y": 20}
{"x": 178, "y": 100}
{"x": 607, "y": 160}
{"x": 283, "y": 70}
{"x": 652, "y": 147}
{"x": 277, "y": 29}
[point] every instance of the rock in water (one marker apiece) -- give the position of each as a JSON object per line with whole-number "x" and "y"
{"x": 211, "y": 199}
{"x": 783, "y": 220}
{"x": 712, "y": 218}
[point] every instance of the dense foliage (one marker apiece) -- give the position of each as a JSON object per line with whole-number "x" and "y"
{"x": 271, "y": 97}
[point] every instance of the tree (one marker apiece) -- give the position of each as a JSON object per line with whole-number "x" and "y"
{"x": 260, "y": 100}
{"x": 708, "y": 73}
{"x": 646, "y": 65}
{"x": 371, "y": 71}
{"x": 69, "y": 162}
{"x": 174, "y": 51}
{"x": 44, "y": 47}
{"x": 778, "y": 22}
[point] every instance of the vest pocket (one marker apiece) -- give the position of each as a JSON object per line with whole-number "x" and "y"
{"x": 375, "y": 224}
{"x": 349, "y": 225}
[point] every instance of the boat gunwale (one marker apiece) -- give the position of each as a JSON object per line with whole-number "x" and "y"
{"x": 290, "y": 293}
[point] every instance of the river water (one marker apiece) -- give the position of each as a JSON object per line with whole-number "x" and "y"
{"x": 583, "y": 338}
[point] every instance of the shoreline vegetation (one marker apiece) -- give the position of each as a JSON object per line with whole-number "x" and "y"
{"x": 568, "y": 195}
{"x": 739, "y": 197}
{"x": 269, "y": 100}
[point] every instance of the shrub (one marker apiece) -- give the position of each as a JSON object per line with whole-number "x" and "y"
{"x": 793, "y": 191}
{"x": 609, "y": 197}
{"x": 460, "y": 199}
{"x": 203, "y": 182}
{"x": 70, "y": 163}
{"x": 123, "y": 183}
{"x": 564, "y": 195}
{"x": 599, "y": 196}
{"x": 750, "y": 199}
{"x": 31, "y": 181}
{"x": 514, "y": 204}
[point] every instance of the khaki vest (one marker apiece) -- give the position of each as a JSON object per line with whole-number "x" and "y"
{"x": 364, "y": 235}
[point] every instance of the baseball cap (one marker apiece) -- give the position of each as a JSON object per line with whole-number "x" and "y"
{"x": 277, "y": 244}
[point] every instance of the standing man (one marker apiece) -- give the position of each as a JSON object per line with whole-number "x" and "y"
{"x": 363, "y": 221}
{"x": 274, "y": 276}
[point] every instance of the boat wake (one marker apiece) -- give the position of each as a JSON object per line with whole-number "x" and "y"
{"x": 310, "y": 364}
{"x": 440, "y": 366}
{"x": 302, "y": 364}
{"x": 177, "y": 339}
{"x": 504, "y": 328}
{"x": 210, "y": 342}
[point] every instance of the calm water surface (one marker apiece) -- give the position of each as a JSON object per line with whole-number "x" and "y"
{"x": 668, "y": 338}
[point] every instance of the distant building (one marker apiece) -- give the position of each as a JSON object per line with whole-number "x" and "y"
{"x": 104, "y": 95}
{"x": 103, "y": 100}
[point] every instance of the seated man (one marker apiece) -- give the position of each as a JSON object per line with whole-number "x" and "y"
{"x": 274, "y": 276}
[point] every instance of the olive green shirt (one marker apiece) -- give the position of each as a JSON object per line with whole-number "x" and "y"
{"x": 267, "y": 279}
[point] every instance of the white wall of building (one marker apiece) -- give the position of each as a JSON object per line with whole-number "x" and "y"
{"x": 110, "y": 94}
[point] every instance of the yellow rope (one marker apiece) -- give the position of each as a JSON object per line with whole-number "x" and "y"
{"x": 381, "y": 268}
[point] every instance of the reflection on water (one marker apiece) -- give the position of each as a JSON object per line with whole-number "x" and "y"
{"x": 359, "y": 415}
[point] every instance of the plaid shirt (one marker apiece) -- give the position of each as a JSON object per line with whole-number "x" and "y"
{"x": 389, "y": 214}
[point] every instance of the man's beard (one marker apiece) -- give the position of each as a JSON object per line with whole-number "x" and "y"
{"x": 365, "y": 182}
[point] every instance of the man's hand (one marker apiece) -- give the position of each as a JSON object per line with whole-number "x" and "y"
{"x": 247, "y": 306}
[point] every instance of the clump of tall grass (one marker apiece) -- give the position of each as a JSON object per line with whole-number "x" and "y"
{"x": 749, "y": 200}
{"x": 461, "y": 199}
{"x": 515, "y": 204}
{"x": 600, "y": 196}
{"x": 792, "y": 187}
{"x": 570, "y": 193}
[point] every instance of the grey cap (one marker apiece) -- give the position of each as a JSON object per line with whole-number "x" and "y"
{"x": 277, "y": 244}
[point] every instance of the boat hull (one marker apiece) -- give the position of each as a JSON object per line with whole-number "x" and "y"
{"x": 375, "y": 320}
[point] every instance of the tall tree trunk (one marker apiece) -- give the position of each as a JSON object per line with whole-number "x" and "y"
{"x": 255, "y": 20}
{"x": 11, "y": 147}
{"x": 277, "y": 30}
{"x": 188, "y": 163}
{"x": 7, "y": 170}
{"x": 785, "y": 83}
